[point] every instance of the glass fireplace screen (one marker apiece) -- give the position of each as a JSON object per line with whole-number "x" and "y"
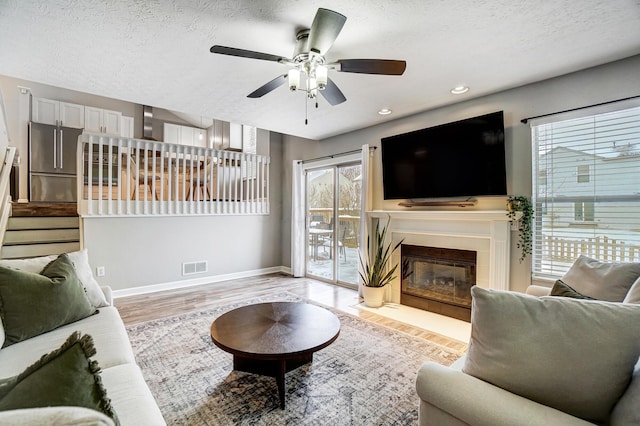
{"x": 440, "y": 274}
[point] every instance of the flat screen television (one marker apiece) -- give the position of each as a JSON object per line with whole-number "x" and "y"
{"x": 460, "y": 159}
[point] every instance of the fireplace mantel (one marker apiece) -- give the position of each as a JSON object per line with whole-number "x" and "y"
{"x": 487, "y": 231}
{"x": 449, "y": 215}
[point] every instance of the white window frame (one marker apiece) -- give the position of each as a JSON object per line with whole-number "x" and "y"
{"x": 554, "y": 250}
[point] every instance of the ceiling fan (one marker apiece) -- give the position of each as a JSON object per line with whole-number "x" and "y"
{"x": 309, "y": 60}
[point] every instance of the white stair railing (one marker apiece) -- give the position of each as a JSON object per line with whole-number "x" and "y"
{"x": 131, "y": 177}
{"x": 5, "y": 195}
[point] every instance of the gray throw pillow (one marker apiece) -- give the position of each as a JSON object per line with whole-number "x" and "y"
{"x": 573, "y": 355}
{"x": 32, "y": 304}
{"x": 601, "y": 280}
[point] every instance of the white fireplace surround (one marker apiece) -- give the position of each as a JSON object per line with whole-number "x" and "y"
{"x": 485, "y": 231}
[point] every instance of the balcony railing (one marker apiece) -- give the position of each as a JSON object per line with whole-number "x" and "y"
{"x": 130, "y": 177}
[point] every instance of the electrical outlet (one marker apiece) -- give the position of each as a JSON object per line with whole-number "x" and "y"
{"x": 100, "y": 271}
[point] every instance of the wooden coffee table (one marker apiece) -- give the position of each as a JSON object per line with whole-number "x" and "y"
{"x": 274, "y": 338}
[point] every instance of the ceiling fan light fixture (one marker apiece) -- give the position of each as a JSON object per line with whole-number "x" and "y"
{"x": 322, "y": 75}
{"x": 384, "y": 111}
{"x": 312, "y": 87}
{"x": 459, "y": 90}
{"x": 294, "y": 79}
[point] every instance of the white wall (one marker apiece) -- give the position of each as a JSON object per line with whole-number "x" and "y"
{"x": 601, "y": 84}
{"x": 138, "y": 252}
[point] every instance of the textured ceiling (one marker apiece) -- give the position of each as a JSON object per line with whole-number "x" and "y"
{"x": 156, "y": 52}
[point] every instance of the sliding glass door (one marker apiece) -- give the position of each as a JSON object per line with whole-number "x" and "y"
{"x": 333, "y": 222}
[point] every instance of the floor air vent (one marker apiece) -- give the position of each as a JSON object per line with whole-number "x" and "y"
{"x": 191, "y": 268}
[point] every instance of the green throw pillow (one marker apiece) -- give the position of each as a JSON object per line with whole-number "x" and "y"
{"x": 64, "y": 377}
{"x": 560, "y": 288}
{"x": 32, "y": 304}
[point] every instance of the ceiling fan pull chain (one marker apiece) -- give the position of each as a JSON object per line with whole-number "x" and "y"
{"x": 306, "y": 112}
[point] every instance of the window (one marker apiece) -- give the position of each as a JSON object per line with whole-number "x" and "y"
{"x": 583, "y": 174}
{"x": 584, "y": 211}
{"x": 586, "y": 187}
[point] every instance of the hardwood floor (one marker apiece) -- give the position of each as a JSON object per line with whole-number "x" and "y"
{"x": 135, "y": 309}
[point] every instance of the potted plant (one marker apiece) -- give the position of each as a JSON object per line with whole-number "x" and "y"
{"x": 374, "y": 272}
{"x": 520, "y": 210}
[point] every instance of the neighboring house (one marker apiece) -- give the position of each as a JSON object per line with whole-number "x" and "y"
{"x": 575, "y": 174}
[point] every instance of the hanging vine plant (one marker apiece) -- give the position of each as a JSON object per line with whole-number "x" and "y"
{"x": 522, "y": 204}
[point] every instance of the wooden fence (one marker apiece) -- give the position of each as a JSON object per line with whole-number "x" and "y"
{"x": 602, "y": 248}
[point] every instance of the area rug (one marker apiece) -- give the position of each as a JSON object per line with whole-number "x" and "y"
{"x": 366, "y": 377}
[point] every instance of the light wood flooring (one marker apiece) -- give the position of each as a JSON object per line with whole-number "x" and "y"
{"x": 135, "y": 309}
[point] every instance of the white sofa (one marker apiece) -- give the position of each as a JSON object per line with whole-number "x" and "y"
{"x": 549, "y": 352}
{"x": 121, "y": 377}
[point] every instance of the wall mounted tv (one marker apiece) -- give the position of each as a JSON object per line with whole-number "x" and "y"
{"x": 460, "y": 159}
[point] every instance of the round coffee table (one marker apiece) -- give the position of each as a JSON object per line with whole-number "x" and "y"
{"x": 272, "y": 339}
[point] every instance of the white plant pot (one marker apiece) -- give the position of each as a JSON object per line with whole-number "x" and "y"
{"x": 373, "y": 296}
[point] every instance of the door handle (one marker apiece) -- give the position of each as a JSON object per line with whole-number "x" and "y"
{"x": 55, "y": 148}
{"x": 61, "y": 148}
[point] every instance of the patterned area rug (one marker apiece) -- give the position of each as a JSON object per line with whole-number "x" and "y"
{"x": 366, "y": 377}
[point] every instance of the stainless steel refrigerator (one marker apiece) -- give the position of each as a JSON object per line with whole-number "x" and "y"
{"x": 52, "y": 163}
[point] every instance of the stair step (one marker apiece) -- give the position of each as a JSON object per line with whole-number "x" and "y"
{"x": 18, "y": 223}
{"x": 44, "y": 209}
{"x": 34, "y": 250}
{"x": 39, "y": 236}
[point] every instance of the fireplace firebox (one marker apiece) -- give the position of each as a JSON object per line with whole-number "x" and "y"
{"x": 438, "y": 279}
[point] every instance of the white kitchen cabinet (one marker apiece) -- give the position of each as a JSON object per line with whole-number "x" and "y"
{"x": 100, "y": 120}
{"x": 235, "y": 137}
{"x": 49, "y": 111}
{"x": 185, "y": 135}
{"x": 171, "y": 133}
{"x": 126, "y": 128}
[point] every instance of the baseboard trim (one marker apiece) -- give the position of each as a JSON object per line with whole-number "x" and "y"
{"x": 173, "y": 285}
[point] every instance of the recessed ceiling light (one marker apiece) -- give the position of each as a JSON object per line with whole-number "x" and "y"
{"x": 459, "y": 90}
{"x": 384, "y": 111}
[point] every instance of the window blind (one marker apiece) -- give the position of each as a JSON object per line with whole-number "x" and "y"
{"x": 586, "y": 189}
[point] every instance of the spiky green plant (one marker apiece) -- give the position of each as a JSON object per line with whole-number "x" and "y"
{"x": 373, "y": 271}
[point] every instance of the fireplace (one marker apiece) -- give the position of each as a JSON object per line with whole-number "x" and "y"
{"x": 438, "y": 279}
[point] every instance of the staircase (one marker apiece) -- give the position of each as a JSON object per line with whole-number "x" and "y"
{"x": 40, "y": 229}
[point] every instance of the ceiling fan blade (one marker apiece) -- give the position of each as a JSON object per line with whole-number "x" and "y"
{"x": 232, "y": 51}
{"x": 325, "y": 28}
{"x": 332, "y": 93}
{"x": 373, "y": 66}
{"x": 270, "y": 86}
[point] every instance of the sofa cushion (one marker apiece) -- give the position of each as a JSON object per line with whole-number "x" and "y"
{"x": 78, "y": 416}
{"x": 601, "y": 280}
{"x": 32, "y": 304}
{"x": 1, "y": 332}
{"x": 130, "y": 395}
{"x": 563, "y": 290}
{"x": 109, "y": 338}
{"x": 633, "y": 295}
{"x": 64, "y": 377}
{"x": 573, "y": 355}
{"x": 627, "y": 410}
{"x": 80, "y": 260}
